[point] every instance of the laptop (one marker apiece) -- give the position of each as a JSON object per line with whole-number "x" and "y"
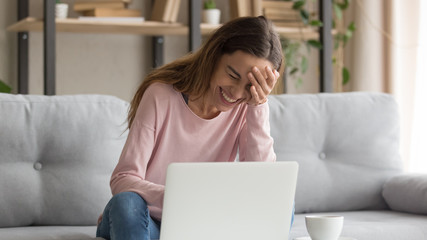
{"x": 228, "y": 201}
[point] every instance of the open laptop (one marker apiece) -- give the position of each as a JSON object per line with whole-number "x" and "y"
{"x": 228, "y": 201}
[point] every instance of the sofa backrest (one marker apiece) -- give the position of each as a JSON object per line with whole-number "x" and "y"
{"x": 346, "y": 144}
{"x": 57, "y": 154}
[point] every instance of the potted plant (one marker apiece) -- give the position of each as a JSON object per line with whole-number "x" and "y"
{"x": 211, "y": 14}
{"x": 61, "y": 9}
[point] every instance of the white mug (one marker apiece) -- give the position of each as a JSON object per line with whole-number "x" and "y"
{"x": 324, "y": 227}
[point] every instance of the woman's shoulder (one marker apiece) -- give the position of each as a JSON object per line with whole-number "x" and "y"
{"x": 160, "y": 88}
{"x": 160, "y": 91}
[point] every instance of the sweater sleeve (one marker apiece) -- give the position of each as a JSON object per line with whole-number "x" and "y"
{"x": 255, "y": 142}
{"x": 129, "y": 174}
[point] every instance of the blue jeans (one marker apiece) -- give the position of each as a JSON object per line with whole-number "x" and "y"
{"x": 126, "y": 217}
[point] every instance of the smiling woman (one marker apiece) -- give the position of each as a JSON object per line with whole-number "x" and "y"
{"x": 192, "y": 74}
{"x": 205, "y": 107}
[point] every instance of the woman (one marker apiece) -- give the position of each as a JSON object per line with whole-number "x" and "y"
{"x": 200, "y": 108}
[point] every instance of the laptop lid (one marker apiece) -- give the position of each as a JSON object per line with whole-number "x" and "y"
{"x": 228, "y": 201}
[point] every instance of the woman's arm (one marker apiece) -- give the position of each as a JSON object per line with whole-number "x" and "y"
{"x": 255, "y": 142}
{"x": 130, "y": 172}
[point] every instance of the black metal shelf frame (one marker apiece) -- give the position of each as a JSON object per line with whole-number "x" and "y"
{"x": 194, "y": 6}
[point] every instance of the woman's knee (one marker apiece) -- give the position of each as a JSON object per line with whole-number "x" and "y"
{"x": 128, "y": 205}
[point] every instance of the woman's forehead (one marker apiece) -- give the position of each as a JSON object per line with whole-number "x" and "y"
{"x": 244, "y": 61}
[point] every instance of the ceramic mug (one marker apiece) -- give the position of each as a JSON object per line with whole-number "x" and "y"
{"x": 324, "y": 227}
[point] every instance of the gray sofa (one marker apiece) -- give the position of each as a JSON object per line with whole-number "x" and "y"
{"x": 57, "y": 154}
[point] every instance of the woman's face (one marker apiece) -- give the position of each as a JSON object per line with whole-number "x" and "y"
{"x": 230, "y": 84}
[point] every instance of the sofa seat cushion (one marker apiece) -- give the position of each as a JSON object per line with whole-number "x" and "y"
{"x": 372, "y": 225}
{"x": 49, "y": 233}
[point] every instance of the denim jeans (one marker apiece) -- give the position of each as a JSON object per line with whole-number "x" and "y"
{"x": 126, "y": 217}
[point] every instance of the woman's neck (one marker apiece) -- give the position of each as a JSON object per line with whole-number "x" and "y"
{"x": 201, "y": 108}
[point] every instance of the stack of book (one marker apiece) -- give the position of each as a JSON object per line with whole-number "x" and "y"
{"x": 106, "y": 9}
{"x": 282, "y": 14}
{"x": 165, "y": 10}
{"x": 245, "y": 8}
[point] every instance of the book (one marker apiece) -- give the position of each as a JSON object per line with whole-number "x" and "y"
{"x": 277, "y": 4}
{"x": 233, "y": 5}
{"x": 277, "y": 14}
{"x": 240, "y": 8}
{"x": 289, "y": 24}
{"x": 112, "y": 12}
{"x": 256, "y": 8}
{"x": 125, "y": 1}
{"x": 158, "y": 12}
{"x": 243, "y": 8}
{"x": 165, "y": 10}
{"x": 174, "y": 11}
{"x": 86, "y": 6}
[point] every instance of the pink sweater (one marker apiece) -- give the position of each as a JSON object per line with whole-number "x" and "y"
{"x": 165, "y": 130}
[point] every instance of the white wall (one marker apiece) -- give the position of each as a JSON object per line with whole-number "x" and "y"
{"x": 112, "y": 64}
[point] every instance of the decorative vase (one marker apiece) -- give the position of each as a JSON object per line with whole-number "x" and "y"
{"x": 211, "y": 16}
{"x": 61, "y": 10}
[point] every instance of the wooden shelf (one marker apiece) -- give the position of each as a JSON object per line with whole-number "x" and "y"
{"x": 86, "y": 26}
{"x": 145, "y": 28}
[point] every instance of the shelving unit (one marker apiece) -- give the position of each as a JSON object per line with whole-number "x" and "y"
{"x": 86, "y": 26}
{"x": 49, "y": 25}
{"x": 30, "y": 24}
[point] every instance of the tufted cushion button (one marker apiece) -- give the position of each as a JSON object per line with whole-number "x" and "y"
{"x": 38, "y": 166}
{"x": 322, "y": 155}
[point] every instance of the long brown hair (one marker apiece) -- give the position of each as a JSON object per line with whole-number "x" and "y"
{"x": 192, "y": 73}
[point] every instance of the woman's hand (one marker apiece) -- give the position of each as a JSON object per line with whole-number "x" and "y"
{"x": 262, "y": 84}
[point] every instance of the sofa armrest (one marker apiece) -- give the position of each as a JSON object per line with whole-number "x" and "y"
{"x": 407, "y": 193}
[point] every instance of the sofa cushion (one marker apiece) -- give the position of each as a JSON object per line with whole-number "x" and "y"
{"x": 346, "y": 145}
{"x": 407, "y": 193}
{"x": 372, "y": 225}
{"x": 49, "y": 232}
{"x": 57, "y": 154}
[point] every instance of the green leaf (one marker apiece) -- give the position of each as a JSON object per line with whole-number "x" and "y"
{"x": 338, "y": 11}
{"x": 336, "y": 42}
{"x": 315, "y": 43}
{"x": 336, "y": 45}
{"x": 299, "y": 82}
{"x": 316, "y": 23}
{"x": 298, "y": 4}
{"x": 348, "y": 33}
{"x": 293, "y": 71}
{"x": 304, "y": 64}
{"x": 343, "y": 5}
{"x": 4, "y": 87}
{"x": 304, "y": 16}
{"x": 209, "y": 4}
{"x": 351, "y": 27}
{"x": 345, "y": 76}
